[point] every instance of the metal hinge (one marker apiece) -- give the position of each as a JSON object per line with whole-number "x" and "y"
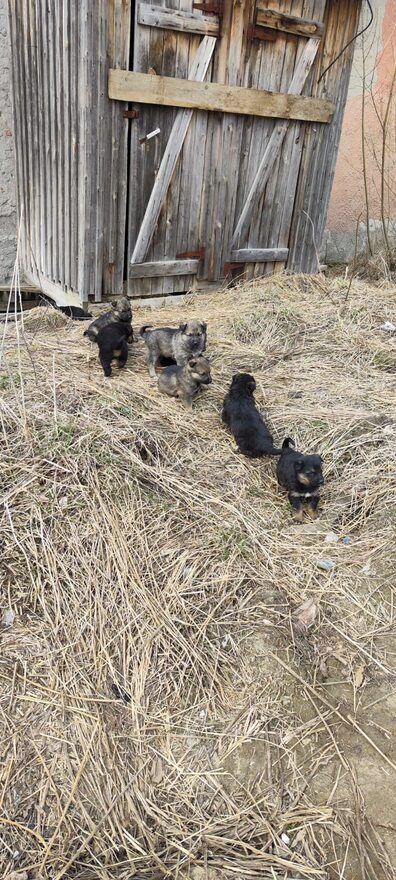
{"x": 213, "y": 7}
{"x": 229, "y": 268}
{"x": 191, "y": 255}
{"x": 131, "y": 114}
{"x": 262, "y": 33}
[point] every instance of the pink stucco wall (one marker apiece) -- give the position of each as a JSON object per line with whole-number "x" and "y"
{"x": 348, "y": 197}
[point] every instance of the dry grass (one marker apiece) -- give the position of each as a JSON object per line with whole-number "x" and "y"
{"x": 161, "y": 714}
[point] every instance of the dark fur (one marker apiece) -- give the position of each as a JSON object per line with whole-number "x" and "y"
{"x": 245, "y": 422}
{"x": 120, "y": 312}
{"x": 75, "y": 312}
{"x": 112, "y": 343}
{"x": 302, "y": 476}
{"x": 176, "y": 345}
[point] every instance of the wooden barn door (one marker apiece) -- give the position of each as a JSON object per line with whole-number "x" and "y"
{"x": 71, "y": 143}
{"x": 208, "y": 188}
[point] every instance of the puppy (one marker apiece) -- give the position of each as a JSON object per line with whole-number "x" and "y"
{"x": 112, "y": 343}
{"x": 185, "y": 381}
{"x": 302, "y": 476}
{"x": 120, "y": 312}
{"x": 244, "y": 420}
{"x": 179, "y": 345}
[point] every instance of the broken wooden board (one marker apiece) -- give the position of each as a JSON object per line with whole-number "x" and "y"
{"x": 260, "y": 255}
{"x": 177, "y": 20}
{"x": 291, "y": 24}
{"x": 163, "y": 268}
{"x": 144, "y": 88}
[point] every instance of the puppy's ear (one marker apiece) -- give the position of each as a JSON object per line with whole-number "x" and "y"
{"x": 182, "y": 327}
{"x": 192, "y": 362}
{"x": 114, "y": 305}
{"x": 251, "y": 386}
{"x": 204, "y": 326}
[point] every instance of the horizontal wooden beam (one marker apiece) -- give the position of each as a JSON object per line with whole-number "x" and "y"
{"x": 145, "y": 88}
{"x": 292, "y": 24}
{"x": 163, "y": 268}
{"x": 177, "y": 20}
{"x": 260, "y": 255}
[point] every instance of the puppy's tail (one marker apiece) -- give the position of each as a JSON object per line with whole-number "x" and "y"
{"x": 274, "y": 451}
{"x": 288, "y": 443}
{"x": 143, "y": 330}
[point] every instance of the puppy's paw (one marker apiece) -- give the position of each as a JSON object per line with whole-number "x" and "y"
{"x": 297, "y": 516}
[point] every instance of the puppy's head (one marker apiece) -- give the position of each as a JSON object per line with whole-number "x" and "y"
{"x": 193, "y": 330}
{"x": 123, "y": 309}
{"x": 309, "y": 471}
{"x": 200, "y": 369}
{"x": 243, "y": 383}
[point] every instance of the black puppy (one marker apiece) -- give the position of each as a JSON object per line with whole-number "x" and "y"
{"x": 302, "y": 476}
{"x": 244, "y": 420}
{"x": 112, "y": 342}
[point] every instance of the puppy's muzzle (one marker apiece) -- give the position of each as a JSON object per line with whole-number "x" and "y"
{"x": 207, "y": 381}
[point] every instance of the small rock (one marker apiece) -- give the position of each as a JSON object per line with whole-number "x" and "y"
{"x": 346, "y": 540}
{"x": 9, "y": 617}
{"x": 285, "y": 837}
{"x": 63, "y": 502}
{"x": 326, "y": 564}
{"x": 331, "y": 538}
{"x": 391, "y": 328}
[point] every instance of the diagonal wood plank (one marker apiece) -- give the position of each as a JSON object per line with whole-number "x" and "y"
{"x": 274, "y": 145}
{"x": 197, "y": 72}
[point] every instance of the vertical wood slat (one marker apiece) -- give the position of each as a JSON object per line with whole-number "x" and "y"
{"x": 18, "y": 125}
{"x": 274, "y": 146}
{"x": 321, "y": 145}
{"x": 117, "y": 23}
{"x": 175, "y": 143}
{"x": 73, "y": 115}
{"x": 272, "y": 214}
{"x": 65, "y": 51}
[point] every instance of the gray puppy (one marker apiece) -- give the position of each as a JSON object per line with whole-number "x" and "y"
{"x": 179, "y": 345}
{"x": 120, "y": 312}
{"x": 186, "y": 381}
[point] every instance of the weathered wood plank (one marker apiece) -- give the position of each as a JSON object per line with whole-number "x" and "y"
{"x": 274, "y": 145}
{"x": 163, "y": 268}
{"x": 171, "y": 92}
{"x": 177, "y": 20}
{"x": 321, "y": 144}
{"x": 292, "y": 24}
{"x": 197, "y": 71}
{"x": 259, "y": 255}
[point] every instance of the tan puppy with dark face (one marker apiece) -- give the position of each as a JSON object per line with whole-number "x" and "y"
{"x": 185, "y": 382}
{"x": 179, "y": 345}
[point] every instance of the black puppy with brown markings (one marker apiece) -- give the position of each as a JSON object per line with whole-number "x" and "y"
{"x": 302, "y": 476}
{"x": 112, "y": 342}
{"x": 245, "y": 422}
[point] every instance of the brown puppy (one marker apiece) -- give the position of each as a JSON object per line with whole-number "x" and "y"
{"x": 189, "y": 340}
{"x": 185, "y": 381}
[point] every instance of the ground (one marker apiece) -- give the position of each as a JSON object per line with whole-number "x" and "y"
{"x": 184, "y": 690}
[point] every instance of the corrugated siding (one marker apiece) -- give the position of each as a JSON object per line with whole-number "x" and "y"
{"x": 71, "y": 141}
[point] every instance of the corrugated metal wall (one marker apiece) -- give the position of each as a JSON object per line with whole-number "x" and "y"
{"x": 71, "y": 140}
